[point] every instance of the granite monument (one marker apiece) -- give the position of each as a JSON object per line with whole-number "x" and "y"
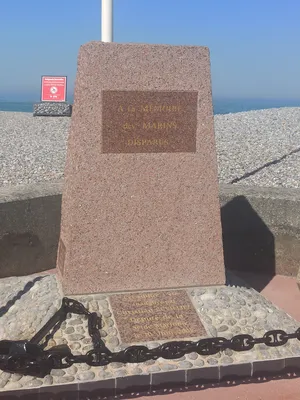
{"x": 140, "y": 206}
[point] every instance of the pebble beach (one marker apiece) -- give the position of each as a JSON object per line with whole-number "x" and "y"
{"x": 259, "y": 148}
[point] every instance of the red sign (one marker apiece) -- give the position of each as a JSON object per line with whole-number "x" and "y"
{"x": 54, "y": 88}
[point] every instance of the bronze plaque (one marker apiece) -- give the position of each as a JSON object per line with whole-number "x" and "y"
{"x": 61, "y": 255}
{"x": 151, "y": 316}
{"x": 149, "y": 121}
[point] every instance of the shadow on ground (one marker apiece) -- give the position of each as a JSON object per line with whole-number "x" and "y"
{"x": 248, "y": 243}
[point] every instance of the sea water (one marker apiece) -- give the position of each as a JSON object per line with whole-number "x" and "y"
{"x": 221, "y": 105}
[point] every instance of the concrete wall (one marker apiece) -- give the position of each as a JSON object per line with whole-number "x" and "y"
{"x": 29, "y": 228}
{"x": 261, "y": 228}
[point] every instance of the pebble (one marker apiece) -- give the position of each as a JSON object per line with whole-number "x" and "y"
{"x": 222, "y": 328}
{"x": 259, "y": 326}
{"x": 295, "y": 348}
{"x": 100, "y": 297}
{"x": 51, "y": 343}
{"x": 226, "y": 360}
{"x": 207, "y": 296}
{"x": 83, "y": 367}
{"x": 105, "y": 375}
{"x": 213, "y": 331}
{"x": 212, "y": 361}
{"x": 64, "y": 379}
{"x": 199, "y": 362}
{"x": 153, "y": 345}
{"x": 246, "y": 313}
{"x": 87, "y": 348}
{"x": 206, "y": 319}
{"x": 63, "y": 325}
{"x": 231, "y": 322}
{"x": 48, "y": 380}
{"x": 218, "y": 320}
{"x": 113, "y": 341}
{"x": 109, "y": 322}
{"x": 248, "y": 329}
{"x": 212, "y": 312}
{"x": 58, "y": 334}
{"x": 13, "y": 385}
{"x": 168, "y": 367}
{"x": 116, "y": 365}
{"x": 75, "y": 346}
{"x": 111, "y": 332}
{"x": 34, "y": 383}
{"x": 57, "y": 372}
{"x": 103, "y": 333}
{"x": 154, "y": 368}
{"x": 260, "y": 314}
{"x": 265, "y": 355}
{"x": 5, "y": 375}
{"x": 239, "y": 301}
{"x": 236, "y": 314}
{"x": 61, "y": 341}
{"x": 93, "y": 305}
{"x": 199, "y": 292}
{"x": 86, "y": 375}
{"x": 75, "y": 322}
{"x": 236, "y": 329}
{"x": 252, "y": 319}
{"x": 3, "y": 382}
{"x": 228, "y": 352}
{"x": 137, "y": 371}
{"x": 72, "y": 370}
{"x": 185, "y": 364}
{"x": 149, "y": 362}
{"x": 103, "y": 304}
{"x": 192, "y": 356}
{"x": 120, "y": 372}
{"x": 80, "y": 329}
{"x": 211, "y": 290}
{"x": 75, "y": 337}
{"x": 87, "y": 340}
{"x": 224, "y": 298}
{"x": 15, "y": 377}
{"x": 106, "y": 313}
{"x": 25, "y": 379}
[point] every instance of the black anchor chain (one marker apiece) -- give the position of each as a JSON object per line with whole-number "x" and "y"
{"x": 29, "y": 357}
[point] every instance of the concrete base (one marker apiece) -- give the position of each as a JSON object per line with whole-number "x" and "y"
{"x": 256, "y": 315}
{"x": 49, "y": 109}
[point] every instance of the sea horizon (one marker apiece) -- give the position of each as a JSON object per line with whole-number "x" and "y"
{"x": 222, "y": 105}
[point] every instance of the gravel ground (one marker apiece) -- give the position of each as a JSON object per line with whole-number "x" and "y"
{"x": 254, "y": 148}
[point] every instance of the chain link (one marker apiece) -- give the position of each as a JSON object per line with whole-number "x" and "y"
{"x": 30, "y": 358}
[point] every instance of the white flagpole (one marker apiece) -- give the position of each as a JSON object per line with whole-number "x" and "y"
{"x": 107, "y": 21}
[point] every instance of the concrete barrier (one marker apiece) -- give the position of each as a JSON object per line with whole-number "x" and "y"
{"x": 29, "y": 228}
{"x": 261, "y": 228}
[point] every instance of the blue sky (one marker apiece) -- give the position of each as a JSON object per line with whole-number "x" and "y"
{"x": 254, "y": 44}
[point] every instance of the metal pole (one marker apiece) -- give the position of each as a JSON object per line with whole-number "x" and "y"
{"x": 107, "y": 21}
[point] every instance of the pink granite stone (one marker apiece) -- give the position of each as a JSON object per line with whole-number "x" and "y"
{"x": 134, "y": 220}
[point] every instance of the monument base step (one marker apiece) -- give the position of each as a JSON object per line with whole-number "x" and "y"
{"x": 212, "y": 311}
